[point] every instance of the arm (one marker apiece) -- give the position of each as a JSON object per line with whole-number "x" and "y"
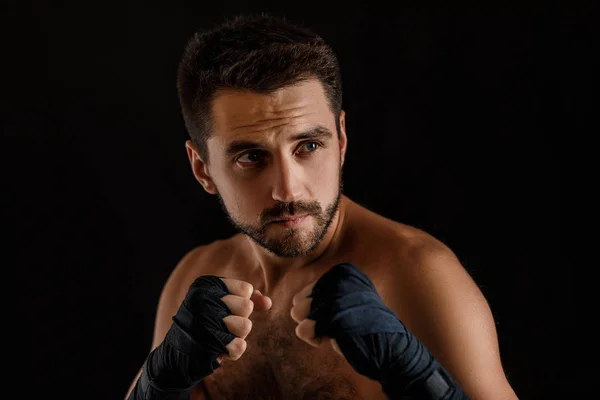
{"x": 170, "y": 298}
{"x": 442, "y": 306}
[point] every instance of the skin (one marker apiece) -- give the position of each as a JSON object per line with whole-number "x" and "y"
{"x": 270, "y": 268}
{"x": 284, "y": 178}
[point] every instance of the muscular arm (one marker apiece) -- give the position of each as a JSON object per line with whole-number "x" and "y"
{"x": 441, "y": 305}
{"x": 170, "y": 298}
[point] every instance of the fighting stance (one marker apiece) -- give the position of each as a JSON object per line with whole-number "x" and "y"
{"x": 317, "y": 297}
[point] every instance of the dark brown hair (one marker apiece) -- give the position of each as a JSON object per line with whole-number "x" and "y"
{"x": 257, "y": 52}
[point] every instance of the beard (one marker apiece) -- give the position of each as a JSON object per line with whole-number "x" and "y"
{"x": 292, "y": 242}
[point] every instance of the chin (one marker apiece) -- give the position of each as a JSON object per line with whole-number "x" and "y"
{"x": 291, "y": 244}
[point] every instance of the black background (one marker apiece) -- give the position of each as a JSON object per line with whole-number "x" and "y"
{"x": 455, "y": 118}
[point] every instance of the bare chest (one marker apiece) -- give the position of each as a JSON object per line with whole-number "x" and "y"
{"x": 278, "y": 365}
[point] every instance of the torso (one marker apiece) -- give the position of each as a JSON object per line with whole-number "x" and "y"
{"x": 278, "y": 365}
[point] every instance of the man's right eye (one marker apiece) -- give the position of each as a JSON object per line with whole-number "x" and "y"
{"x": 249, "y": 157}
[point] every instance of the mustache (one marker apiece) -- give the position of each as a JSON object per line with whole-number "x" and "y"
{"x": 285, "y": 210}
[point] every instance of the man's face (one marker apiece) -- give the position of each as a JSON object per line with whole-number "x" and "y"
{"x": 277, "y": 156}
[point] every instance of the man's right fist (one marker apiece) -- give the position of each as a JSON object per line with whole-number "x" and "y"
{"x": 241, "y": 301}
{"x": 211, "y": 323}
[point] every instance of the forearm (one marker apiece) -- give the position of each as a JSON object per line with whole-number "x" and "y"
{"x": 146, "y": 389}
{"x": 435, "y": 383}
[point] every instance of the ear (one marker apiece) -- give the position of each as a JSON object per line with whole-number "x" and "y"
{"x": 199, "y": 168}
{"x": 343, "y": 137}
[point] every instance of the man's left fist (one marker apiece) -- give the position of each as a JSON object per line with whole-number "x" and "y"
{"x": 305, "y": 330}
{"x": 344, "y": 306}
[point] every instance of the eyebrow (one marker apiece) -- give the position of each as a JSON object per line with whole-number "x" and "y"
{"x": 317, "y": 132}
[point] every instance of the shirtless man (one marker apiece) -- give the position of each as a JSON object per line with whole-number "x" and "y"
{"x": 317, "y": 297}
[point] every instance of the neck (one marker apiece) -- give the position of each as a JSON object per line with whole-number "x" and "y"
{"x": 274, "y": 268}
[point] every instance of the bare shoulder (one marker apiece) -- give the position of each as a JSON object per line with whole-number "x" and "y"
{"x": 426, "y": 286}
{"x": 209, "y": 259}
{"x": 400, "y": 243}
{"x": 410, "y": 262}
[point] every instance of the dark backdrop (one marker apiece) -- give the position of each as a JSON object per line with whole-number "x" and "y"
{"x": 455, "y": 119}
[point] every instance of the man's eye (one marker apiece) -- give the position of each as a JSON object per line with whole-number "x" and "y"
{"x": 311, "y": 148}
{"x": 249, "y": 157}
{"x": 256, "y": 156}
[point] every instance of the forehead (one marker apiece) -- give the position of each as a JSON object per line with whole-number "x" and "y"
{"x": 240, "y": 112}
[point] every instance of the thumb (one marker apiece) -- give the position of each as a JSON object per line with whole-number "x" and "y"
{"x": 261, "y": 302}
{"x": 336, "y": 347}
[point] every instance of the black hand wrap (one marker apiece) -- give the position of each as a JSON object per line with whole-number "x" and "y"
{"x": 191, "y": 347}
{"x": 347, "y": 308}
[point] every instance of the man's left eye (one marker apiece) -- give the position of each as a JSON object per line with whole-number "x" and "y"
{"x": 310, "y": 150}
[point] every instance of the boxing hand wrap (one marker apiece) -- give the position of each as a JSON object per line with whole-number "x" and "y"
{"x": 347, "y": 308}
{"x": 191, "y": 347}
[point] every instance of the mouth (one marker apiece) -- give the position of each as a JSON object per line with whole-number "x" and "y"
{"x": 291, "y": 221}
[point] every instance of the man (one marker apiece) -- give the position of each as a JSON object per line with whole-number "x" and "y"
{"x": 316, "y": 297}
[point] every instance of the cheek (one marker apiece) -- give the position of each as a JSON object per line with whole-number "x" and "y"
{"x": 239, "y": 186}
{"x": 326, "y": 175}
{"x": 244, "y": 196}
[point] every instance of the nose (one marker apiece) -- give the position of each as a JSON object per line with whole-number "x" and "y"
{"x": 287, "y": 181}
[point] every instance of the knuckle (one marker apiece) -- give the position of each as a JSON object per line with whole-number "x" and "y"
{"x": 247, "y": 289}
{"x": 238, "y": 348}
{"x": 248, "y": 305}
{"x": 228, "y": 320}
{"x": 298, "y": 330}
{"x": 246, "y": 325}
{"x": 225, "y": 299}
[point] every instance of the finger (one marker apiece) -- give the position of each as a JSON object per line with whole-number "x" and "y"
{"x": 239, "y": 306}
{"x": 236, "y": 348}
{"x": 238, "y": 287}
{"x": 301, "y": 310}
{"x": 306, "y": 332}
{"x": 238, "y": 326}
{"x": 261, "y": 302}
{"x": 304, "y": 293}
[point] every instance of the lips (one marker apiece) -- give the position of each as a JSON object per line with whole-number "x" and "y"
{"x": 290, "y": 218}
